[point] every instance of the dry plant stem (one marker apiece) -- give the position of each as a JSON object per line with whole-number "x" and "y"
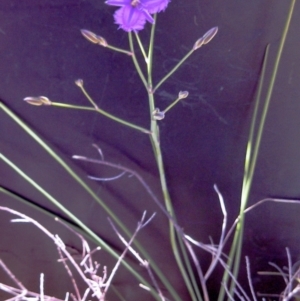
{"x": 140, "y": 225}
{"x": 131, "y": 172}
{"x": 95, "y": 238}
{"x": 242, "y": 294}
{"x": 139, "y": 178}
{"x": 143, "y": 262}
{"x": 289, "y": 286}
{"x": 12, "y": 276}
{"x": 86, "y": 251}
{"x": 22, "y": 292}
{"x": 285, "y": 201}
{"x": 42, "y": 287}
{"x": 292, "y": 294}
{"x": 96, "y": 284}
{"x": 91, "y": 234}
{"x": 216, "y": 253}
{"x": 58, "y": 242}
{"x": 249, "y": 279}
{"x": 223, "y": 232}
{"x": 227, "y": 292}
{"x": 75, "y": 286}
{"x": 199, "y": 271}
{"x": 280, "y": 272}
{"x": 24, "y": 295}
{"x": 152, "y": 195}
{"x": 289, "y": 292}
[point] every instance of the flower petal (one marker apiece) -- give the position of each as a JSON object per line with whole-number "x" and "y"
{"x": 154, "y": 6}
{"x": 118, "y": 2}
{"x": 129, "y": 18}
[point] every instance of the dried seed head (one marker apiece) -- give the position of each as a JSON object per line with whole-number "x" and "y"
{"x": 157, "y": 114}
{"x": 38, "y": 101}
{"x": 183, "y": 94}
{"x": 208, "y": 36}
{"x": 92, "y": 37}
{"x": 79, "y": 82}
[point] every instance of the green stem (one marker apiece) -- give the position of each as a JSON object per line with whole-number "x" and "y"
{"x": 119, "y": 50}
{"x": 100, "y": 111}
{"x": 141, "y": 47}
{"x": 68, "y": 106}
{"x": 250, "y": 161}
{"x": 119, "y": 120}
{"x": 27, "y": 129}
{"x": 248, "y": 158}
{"x": 78, "y": 222}
{"x": 172, "y": 105}
{"x": 136, "y": 63}
{"x": 150, "y": 53}
{"x": 155, "y": 141}
{"x": 173, "y": 70}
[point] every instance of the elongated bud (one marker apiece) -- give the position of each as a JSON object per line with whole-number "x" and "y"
{"x": 183, "y": 94}
{"x": 92, "y": 37}
{"x": 38, "y": 101}
{"x": 208, "y": 36}
{"x": 198, "y": 44}
{"x": 157, "y": 114}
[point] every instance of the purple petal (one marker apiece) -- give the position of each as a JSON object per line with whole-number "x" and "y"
{"x": 118, "y": 2}
{"x": 129, "y": 18}
{"x": 148, "y": 17}
{"x": 154, "y": 6}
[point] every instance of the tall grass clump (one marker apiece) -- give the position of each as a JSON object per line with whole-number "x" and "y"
{"x": 132, "y": 16}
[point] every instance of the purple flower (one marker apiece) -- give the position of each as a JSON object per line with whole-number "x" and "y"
{"x": 133, "y": 14}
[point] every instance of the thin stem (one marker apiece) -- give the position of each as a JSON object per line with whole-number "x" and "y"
{"x": 250, "y": 162}
{"x": 136, "y": 63}
{"x": 68, "y": 106}
{"x": 108, "y": 115}
{"x": 27, "y": 129}
{"x": 141, "y": 47}
{"x": 155, "y": 141}
{"x": 173, "y": 70}
{"x": 170, "y": 210}
{"x": 172, "y": 105}
{"x": 119, "y": 50}
{"x": 100, "y": 111}
{"x": 68, "y": 213}
{"x": 150, "y": 52}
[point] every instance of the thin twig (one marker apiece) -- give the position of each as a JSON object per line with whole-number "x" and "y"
{"x": 249, "y": 278}
{"x": 140, "y": 225}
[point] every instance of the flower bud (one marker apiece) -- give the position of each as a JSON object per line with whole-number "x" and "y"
{"x": 198, "y": 44}
{"x": 38, "y": 101}
{"x": 183, "y": 94}
{"x": 157, "y": 114}
{"x": 93, "y": 37}
{"x": 79, "y": 82}
{"x": 208, "y": 36}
